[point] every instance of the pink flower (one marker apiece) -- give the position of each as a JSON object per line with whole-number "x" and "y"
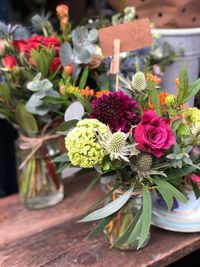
{"x": 195, "y": 178}
{"x": 153, "y": 134}
{"x": 9, "y": 62}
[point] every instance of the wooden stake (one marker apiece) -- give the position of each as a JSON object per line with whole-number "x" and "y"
{"x": 115, "y": 63}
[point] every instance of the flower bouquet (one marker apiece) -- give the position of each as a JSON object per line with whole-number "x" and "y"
{"x": 42, "y": 72}
{"x": 139, "y": 141}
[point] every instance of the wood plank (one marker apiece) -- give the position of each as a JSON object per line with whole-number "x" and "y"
{"x": 63, "y": 245}
{"x": 17, "y": 222}
{"x": 53, "y": 238}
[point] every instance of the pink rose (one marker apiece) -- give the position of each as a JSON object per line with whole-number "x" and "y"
{"x": 153, "y": 134}
{"x": 9, "y": 62}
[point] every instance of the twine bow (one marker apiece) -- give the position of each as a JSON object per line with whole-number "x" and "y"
{"x": 34, "y": 143}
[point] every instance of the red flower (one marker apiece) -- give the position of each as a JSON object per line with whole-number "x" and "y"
{"x": 9, "y": 62}
{"x": 55, "y": 65}
{"x": 33, "y": 42}
{"x": 153, "y": 134}
{"x": 20, "y": 45}
{"x": 116, "y": 110}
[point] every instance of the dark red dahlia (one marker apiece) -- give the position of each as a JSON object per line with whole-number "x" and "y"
{"x": 116, "y": 110}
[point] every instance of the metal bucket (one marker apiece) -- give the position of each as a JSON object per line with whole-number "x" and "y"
{"x": 186, "y": 44}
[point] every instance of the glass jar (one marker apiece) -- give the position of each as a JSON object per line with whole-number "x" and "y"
{"x": 39, "y": 184}
{"x": 123, "y": 218}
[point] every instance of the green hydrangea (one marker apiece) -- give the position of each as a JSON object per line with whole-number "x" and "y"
{"x": 82, "y": 145}
{"x": 192, "y": 116}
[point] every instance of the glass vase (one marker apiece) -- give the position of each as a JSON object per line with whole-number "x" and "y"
{"x": 39, "y": 184}
{"x": 122, "y": 219}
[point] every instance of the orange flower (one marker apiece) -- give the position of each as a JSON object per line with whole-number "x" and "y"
{"x": 162, "y": 97}
{"x": 153, "y": 78}
{"x": 87, "y": 92}
{"x": 100, "y": 93}
{"x": 62, "y": 10}
{"x": 69, "y": 69}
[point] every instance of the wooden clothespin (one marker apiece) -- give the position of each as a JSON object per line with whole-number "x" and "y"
{"x": 125, "y": 37}
{"x": 115, "y": 63}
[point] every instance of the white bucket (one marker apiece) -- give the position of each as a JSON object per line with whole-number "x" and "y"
{"x": 186, "y": 44}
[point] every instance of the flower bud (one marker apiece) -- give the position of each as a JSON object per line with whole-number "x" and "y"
{"x": 9, "y": 62}
{"x": 69, "y": 69}
{"x": 139, "y": 81}
{"x": 62, "y": 89}
{"x": 63, "y": 22}
{"x": 62, "y": 10}
{"x": 170, "y": 100}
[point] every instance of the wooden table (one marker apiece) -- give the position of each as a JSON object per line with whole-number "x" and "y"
{"x": 52, "y": 237}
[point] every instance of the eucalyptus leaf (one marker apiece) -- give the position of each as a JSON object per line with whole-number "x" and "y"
{"x": 146, "y": 216}
{"x": 170, "y": 189}
{"x": 129, "y": 231}
{"x": 62, "y": 158}
{"x": 100, "y": 227}
{"x": 26, "y": 120}
{"x": 74, "y": 112}
{"x": 109, "y": 209}
{"x": 67, "y": 125}
{"x": 93, "y": 35}
{"x": 168, "y": 198}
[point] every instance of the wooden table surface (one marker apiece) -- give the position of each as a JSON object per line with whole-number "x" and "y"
{"x": 52, "y": 237}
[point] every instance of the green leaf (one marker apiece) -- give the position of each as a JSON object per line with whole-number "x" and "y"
{"x": 170, "y": 189}
{"x": 63, "y": 166}
{"x": 100, "y": 226}
{"x": 183, "y": 86}
{"x": 62, "y": 158}
{"x": 146, "y": 216}
{"x": 53, "y": 100}
{"x": 126, "y": 236}
{"x": 176, "y": 173}
{"x": 109, "y": 209}
{"x": 84, "y": 102}
{"x": 5, "y": 92}
{"x": 88, "y": 188}
{"x": 84, "y": 77}
{"x": 193, "y": 89}
{"x": 154, "y": 97}
{"x": 166, "y": 196}
{"x": 65, "y": 126}
{"x": 26, "y": 120}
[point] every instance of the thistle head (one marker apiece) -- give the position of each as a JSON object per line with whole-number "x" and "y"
{"x": 117, "y": 142}
{"x": 144, "y": 162}
{"x": 139, "y": 81}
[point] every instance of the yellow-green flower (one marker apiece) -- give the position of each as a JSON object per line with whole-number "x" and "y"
{"x": 82, "y": 145}
{"x": 192, "y": 116}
